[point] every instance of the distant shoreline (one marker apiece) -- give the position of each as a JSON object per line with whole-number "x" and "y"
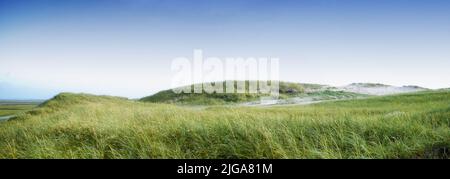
{"x": 20, "y": 102}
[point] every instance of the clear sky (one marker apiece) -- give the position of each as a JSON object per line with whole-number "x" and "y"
{"x": 125, "y": 47}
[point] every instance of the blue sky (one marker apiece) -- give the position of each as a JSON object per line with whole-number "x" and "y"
{"x": 125, "y": 47}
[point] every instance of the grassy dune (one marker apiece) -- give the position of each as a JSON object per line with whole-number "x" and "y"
{"x": 85, "y": 126}
{"x": 286, "y": 90}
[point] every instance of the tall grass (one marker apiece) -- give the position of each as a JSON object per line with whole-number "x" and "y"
{"x": 85, "y": 126}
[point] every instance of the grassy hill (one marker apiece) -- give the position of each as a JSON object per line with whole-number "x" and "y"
{"x": 85, "y": 126}
{"x": 287, "y": 90}
{"x": 169, "y": 96}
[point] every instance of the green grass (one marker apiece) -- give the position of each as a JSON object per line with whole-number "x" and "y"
{"x": 85, "y": 126}
{"x": 11, "y": 109}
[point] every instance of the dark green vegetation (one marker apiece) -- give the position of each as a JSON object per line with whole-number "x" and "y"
{"x": 84, "y": 126}
{"x": 287, "y": 90}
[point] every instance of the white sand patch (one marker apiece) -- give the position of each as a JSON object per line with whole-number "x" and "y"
{"x": 379, "y": 89}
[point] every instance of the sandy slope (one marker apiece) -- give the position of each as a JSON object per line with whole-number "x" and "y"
{"x": 380, "y": 89}
{"x": 369, "y": 89}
